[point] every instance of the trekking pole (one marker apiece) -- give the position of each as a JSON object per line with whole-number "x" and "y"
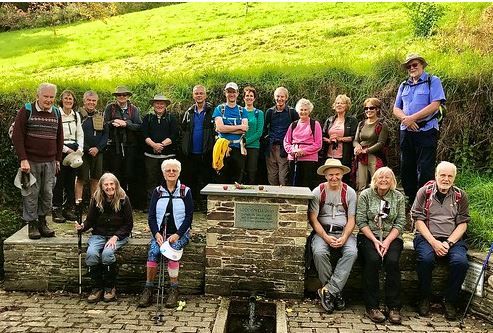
{"x": 79, "y": 243}
{"x": 295, "y": 170}
{"x": 483, "y": 269}
{"x": 159, "y": 316}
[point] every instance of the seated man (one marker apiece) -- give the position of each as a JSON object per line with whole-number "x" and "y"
{"x": 441, "y": 214}
{"x": 332, "y": 216}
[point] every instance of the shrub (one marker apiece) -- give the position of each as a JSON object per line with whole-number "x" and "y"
{"x": 424, "y": 17}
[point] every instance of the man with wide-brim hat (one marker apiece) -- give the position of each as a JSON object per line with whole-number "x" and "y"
{"x": 122, "y": 151}
{"x": 332, "y": 216}
{"x": 417, "y": 107}
{"x": 160, "y": 130}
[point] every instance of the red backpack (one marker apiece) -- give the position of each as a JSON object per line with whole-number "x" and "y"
{"x": 430, "y": 185}
{"x": 323, "y": 196}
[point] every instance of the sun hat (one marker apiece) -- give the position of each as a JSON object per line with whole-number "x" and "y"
{"x": 73, "y": 159}
{"x": 332, "y": 163}
{"x": 160, "y": 98}
{"x": 122, "y": 90}
{"x": 414, "y": 56}
{"x": 24, "y": 181}
{"x": 169, "y": 252}
{"x": 231, "y": 85}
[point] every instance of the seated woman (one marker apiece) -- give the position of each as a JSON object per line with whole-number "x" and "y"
{"x": 110, "y": 217}
{"x": 170, "y": 219}
{"x": 380, "y": 216}
{"x": 369, "y": 143}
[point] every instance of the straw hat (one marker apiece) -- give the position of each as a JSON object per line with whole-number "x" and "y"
{"x": 332, "y": 163}
{"x": 73, "y": 159}
{"x": 24, "y": 181}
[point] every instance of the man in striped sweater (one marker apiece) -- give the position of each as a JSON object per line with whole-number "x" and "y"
{"x": 38, "y": 142}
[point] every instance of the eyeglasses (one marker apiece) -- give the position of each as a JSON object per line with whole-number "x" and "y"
{"x": 171, "y": 170}
{"x": 370, "y": 108}
{"x": 413, "y": 65}
{"x": 121, "y": 94}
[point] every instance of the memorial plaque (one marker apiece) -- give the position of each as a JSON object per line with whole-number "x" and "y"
{"x": 256, "y": 216}
{"x": 472, "y": 277}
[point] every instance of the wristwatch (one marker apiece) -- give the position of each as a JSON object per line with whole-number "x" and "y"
{"x": 450, "y": 243}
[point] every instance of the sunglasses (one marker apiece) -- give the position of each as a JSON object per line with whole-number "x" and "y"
{"x": 413, "y": 65}
{"x": 121, "y": 94}
{"x": 370, "y": 108}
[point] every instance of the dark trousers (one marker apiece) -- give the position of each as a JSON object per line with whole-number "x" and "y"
{"x": 154, "y": 175}
{"x": 233, "y": 167}
{"x": 418, "y": 156}
{"x": 372, "y": 263}
{"x": 65, "y": 184}
{"x": 426, "y": 258}
{"x": 124, "y": 167}
{"x": 251, "y": 166}
{"x": 303, "y": 173}
{"x": 198, "y": 173}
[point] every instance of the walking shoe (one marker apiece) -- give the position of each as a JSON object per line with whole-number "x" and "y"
{"x": 57, "y": 215}
{"x": 326, "y": 300}
{"x": 339, "y": 302}
{"x": 172, "y": 301}
{"x": 69, "y": 214}
{"x": 33, "y": 230}
{"x": 450, "y": 311}
{"x": 43, "y": 227}
{"x": 395, "y": 316}
{"x": 375, "y": 315}
{"x": 109, "y": 295}
{"x": 146, "y": 298}
{"x": 424, "y": 307}
{"x": 95, "y": 296}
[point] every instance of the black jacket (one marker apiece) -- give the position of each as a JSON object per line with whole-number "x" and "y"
{"x": 187, "y": 126}
{"x": 350, "y": 127}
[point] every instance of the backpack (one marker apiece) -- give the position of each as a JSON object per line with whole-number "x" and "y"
{"x": 442, "y": 109}
{"x": 429, "y": 191}
{"x": 268, "y": 118}
{"x": 240, "y": 109}
{"x": 29, "y": 109}
{"x": 312, "y": 127}
{"x": 131, "y": 111}
{"x": 183, "y": 187}
{"x": 378, "y": 129}
{"x": 323, "y": 195}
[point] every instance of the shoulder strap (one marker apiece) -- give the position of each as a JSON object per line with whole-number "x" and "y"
{"x": 183, "y": 187}
{"x": 344, "y": 197}
{"x": 293, "y": 126}
{"x": 428, "y": 192}
{"x": 223, "y": 109}
{"x": 256, "y": 112}
{"x": 312, "y": 127}
{"x": 322, "y": 197}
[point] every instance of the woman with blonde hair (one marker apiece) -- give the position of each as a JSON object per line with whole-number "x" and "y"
{"x": 380, "y": 216}
{"x": 338, "y": 134}
{"x": 111, "y": 220}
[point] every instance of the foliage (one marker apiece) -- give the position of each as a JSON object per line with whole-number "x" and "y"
{"x": 424, "y": 17}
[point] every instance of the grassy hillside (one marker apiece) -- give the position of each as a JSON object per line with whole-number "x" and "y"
{"x": 195, "y": 40}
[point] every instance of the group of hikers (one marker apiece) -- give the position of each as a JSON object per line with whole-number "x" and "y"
{"x": 62, "y": 149}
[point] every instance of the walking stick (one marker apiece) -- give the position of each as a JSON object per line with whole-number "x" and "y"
{"x": 483, "y": 269}
{"x": 159, "y": 317}
{"x": 79, "y": 243}
{"x": 295, "y": 170}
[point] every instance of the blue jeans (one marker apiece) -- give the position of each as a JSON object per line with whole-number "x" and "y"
{"x": 154, "y": 252}
{"x": 426, "y": 258}
{"x": 97, "y": 253}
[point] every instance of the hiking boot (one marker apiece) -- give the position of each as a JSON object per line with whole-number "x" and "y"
{"x": 57, "y": 216}
{"x": 95, "y": 296}
{"x": 69, "y": 214}
{"x": 172, "y": 301}
{"x": 32, "y": 230}
{"x": 109, "y": 295}
{"x": 339, "y": 302}
{"x": 424, "y": 307}
{"x": 43, "y": 227}
{"x": 146, "y": 298}
{"x": 395, "y": 316}
{"x": 450, "y": 311}
{"x": 326, "y": 300}
{"x": 375, "y": 315}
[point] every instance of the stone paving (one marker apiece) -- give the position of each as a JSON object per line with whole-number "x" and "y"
{"x": 62, "y": 312}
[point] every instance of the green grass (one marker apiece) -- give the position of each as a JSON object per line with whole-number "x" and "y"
{"x": 196, "y": 39}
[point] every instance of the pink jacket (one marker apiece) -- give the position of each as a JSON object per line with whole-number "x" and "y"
{"x": 303, "y": 138}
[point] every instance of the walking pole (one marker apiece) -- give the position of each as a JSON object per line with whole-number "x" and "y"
{"x": 483, "y": 269}
{"x": 159, "y": 317}
{"x": 295, "y": 170}
{"x": 78, "y": 204}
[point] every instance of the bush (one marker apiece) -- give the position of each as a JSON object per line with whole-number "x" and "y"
{"x": 424, "y": 17}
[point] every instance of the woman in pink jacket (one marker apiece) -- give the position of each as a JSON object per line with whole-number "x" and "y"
{"x": 302, "y": 142}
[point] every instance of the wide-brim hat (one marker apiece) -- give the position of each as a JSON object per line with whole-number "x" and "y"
{"x": 231, "y": 85}
{"x": 73, "y": 159}
{"x": 414, "y": 56}
{"x": 24, "y": 181}
{"x": 169, "y": 252}
{"x": 332, "y": 163}
{"x": 160, "y": 98}
{"x": 122, "y": 90}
